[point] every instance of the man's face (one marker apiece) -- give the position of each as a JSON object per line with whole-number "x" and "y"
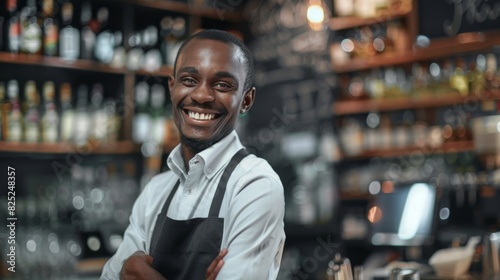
{"x": 207, "y": 92}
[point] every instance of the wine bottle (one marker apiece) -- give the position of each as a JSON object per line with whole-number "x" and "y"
{"x": 32, "y": 113}
{"x": 69, "y": 41}
{"x": 88, "y": 34}
{"x": 67, "y": 113}
{"x": 14, "y": 119}
{"x": 50, "y": 119}
{"x": 50, "y": 29}
{"x": 82, "y": 117}
{"x": 142, "y": 119}
{"x": 31, "y": 36}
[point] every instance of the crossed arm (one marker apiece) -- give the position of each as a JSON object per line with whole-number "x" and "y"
{"x": 139, "y": 267}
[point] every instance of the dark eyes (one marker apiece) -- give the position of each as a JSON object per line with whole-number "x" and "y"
{"x": 190, "y": 82}
{"x": 222, "y": 85}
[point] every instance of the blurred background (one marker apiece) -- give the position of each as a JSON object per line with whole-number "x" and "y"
{"x": 381, "y": 117}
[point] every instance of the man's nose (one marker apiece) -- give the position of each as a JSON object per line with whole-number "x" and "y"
{"x": 203, "y": 94}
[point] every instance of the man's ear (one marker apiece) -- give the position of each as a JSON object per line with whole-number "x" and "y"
{"x": 248, "y": 99}
{"x": 170, "y": 82}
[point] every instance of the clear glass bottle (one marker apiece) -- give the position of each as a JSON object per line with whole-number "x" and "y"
{"x": 32, "y": 119}
{"x": 13, "y": 27}
{"x": 67, "y": 113}
{"x": 82, "y": 117}
{"x": 88, "y": 34}
{"x": 158, "y": 113}
{"x": 69, "y": 37}
{"x": 99, "y": 117}
{"x": 31, "y": 37}
{"x": 15, "y": 118}
{"x": 50, "y": 119}
{"x": 142, "y": 119}
{"x": 104, "y": 44}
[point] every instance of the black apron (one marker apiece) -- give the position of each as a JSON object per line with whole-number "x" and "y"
{"x": 183, "y": 250}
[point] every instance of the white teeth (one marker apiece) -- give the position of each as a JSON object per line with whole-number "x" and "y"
{"x": 202, "y": 116}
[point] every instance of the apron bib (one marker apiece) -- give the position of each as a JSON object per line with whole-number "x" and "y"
{"x": 183, "y": 249}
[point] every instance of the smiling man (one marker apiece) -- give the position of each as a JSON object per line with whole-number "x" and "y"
{"x": 218, "y": 212}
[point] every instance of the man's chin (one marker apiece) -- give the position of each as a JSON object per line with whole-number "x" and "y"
{"x": 197, "y": 145}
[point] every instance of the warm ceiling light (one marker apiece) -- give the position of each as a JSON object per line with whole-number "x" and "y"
{"x": 316, "y": 14}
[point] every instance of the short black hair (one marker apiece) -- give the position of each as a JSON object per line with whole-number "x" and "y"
{"x": 227, "y": 38}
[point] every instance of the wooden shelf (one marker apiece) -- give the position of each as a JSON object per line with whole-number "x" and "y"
{"x": 79, "y": 64}
{"x": 450, "y": 147}
{"x": 342, "y": 108}
{"x": 117, "y": 148}
{"x": 438, "y": 48}
{"x": 341, "y": 23}
{"x": 196, "y": 10}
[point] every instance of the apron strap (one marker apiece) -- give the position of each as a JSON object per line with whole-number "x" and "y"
{"x": 161, "y": 218}
{"x": 221, "y": 188}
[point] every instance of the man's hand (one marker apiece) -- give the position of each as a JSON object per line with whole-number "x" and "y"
{"x": 216, "y": 265}
{"x": 139, "y": 267}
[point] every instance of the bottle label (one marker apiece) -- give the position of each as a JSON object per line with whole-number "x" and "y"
{"x": 50, "y": 127}
{"x": 32, "y": 38}
{"x": 32, "y": 133}
{"x": 141, "y": 130}
{"x": 69, "y": 43}
{"x": 67, "y": 126}
{"x": 14, "y": 131}
{"x": 50, "y": 41}
{"x": 14, "y": 32}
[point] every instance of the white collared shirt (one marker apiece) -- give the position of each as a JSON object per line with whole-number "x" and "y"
{"x": 253, "y": 208}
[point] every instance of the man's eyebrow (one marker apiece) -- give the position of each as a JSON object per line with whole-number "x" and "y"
{"x": 223, "y": 74}
{"x": 190, "y": 70}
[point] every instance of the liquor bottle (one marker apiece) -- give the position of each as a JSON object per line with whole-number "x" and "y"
{"x": 50, "y": 29}
{"x": 458, "y": 79}
{"x": 82, "y": 117}
{"x": 67, "y": 113}
{"x": 50, "y": 119}
{"x": 152, "y": 57}
{"x": 15, "y": 118}
{"x": 32, "y": 113}
{"x": 88, "y": 34}
{"x": 113, "y": 120}
{"x": 119, "y": 52}
{"x": 98, "y": 115}
{"x": 477, "y": 77}
{"x": 135, "y": 53}
{"x": 174, "y": 39}
{"x": 158, "y": 113}
{"x": 492, "y": 82}
{"x": 13, "y": 27}
{"x": 69, "y": 40}
{"x": 31, "y": 31}
{"x": 104, "y": 44}
{"x": 142, "y": 119}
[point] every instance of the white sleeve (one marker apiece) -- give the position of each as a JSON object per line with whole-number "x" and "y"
{"x": 134, "y": 239}
{"x": 255, "y": 231}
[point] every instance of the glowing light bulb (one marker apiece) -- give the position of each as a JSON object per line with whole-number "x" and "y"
{"x": 315, "y": 14}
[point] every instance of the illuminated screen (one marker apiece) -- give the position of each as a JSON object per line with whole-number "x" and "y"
{"x": 404, "y": 216}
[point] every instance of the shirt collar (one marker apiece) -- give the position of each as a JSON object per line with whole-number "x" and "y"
{"x": 214, "y": 157}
